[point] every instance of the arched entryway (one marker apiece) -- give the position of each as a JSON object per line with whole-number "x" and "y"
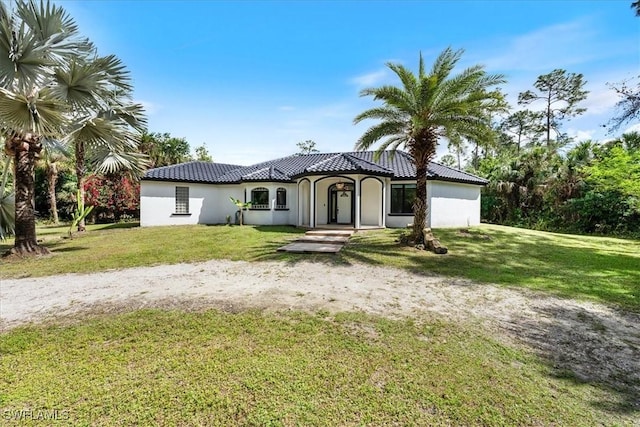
{"x": 341, "y": 203}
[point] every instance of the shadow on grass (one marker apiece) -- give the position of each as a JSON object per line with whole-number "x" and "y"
{"x": 268, "y": 251}
{"x": 596, "y": 270}
{"x": 55, "y": 249}
{"x": 118, "y": 225}
{"x": 589, "y": 347}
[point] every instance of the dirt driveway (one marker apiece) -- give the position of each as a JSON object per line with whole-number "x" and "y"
{"x": 596, "y": 343}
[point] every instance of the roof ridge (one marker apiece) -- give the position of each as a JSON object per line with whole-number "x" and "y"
{"x": 458, "y": 170}
{"x": 322, "y": 161}
{"x": 352, "y": 157}
{"x": 256, "y": 171}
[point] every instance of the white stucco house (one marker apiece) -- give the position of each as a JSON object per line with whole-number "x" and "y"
{"x": 311, "y": 190}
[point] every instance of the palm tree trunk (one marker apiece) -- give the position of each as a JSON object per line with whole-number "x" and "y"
{"x": 24, "y": 148}
{"x": 80, "y": 174}
{"x": 52, "y": 178}
{"x": 420, "y": 204}
{"x": 422, "y": 153}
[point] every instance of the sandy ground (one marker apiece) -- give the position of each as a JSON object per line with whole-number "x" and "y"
{"x": 597, "y": 343}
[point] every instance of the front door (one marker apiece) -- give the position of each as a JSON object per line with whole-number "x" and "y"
{"x": 344, "y": 207}
{"x": 341, "y": 205}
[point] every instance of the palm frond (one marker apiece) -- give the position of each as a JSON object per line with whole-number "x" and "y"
{"x": 381, "y": 113}
{"x": 115, "y": 73}
{"x": 54, "y": 148}
{"x": 106, "y": 161}
{"x": 392, "y": 96}
{"x": 128, "y": 112}
{"x": 41, "y": 113}
{"x": 445, "y": 63}
{"x": 390, "y": 144}
{"x": 96, "y": 132}
{"x": 394, "y": 129}
{"x": 407, "y": 78}
{"x": 52, "y": 27}
{"x": 25, "y": 63}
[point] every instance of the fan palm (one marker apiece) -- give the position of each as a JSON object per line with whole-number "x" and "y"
{"x": 105, "y": 135}
{"x": 426, "y": 107}
{"x": 51, "y": 82}
{"x": 35, "y": 40}
{"x": 53, "y": 160}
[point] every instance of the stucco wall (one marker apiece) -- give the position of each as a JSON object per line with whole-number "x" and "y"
{"x": 371, "y": 202}
{"x": 208, "y": 204}
{"x": 453, "y": 204}
{"x": 450, "y": 204}
{"x": 272, "y": 215}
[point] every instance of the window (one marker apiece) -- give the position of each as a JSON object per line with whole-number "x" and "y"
{"x": 281, "y": 198}
{"x": 182, "y": 200}
{"x": 402, "y": 198}
{"x": 260, "y": 198}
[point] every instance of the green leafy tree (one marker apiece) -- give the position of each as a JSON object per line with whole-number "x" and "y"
{"x": 561, "y": 92}
{"x": 163, "y": 149}
{"x": 426, "y": 106}
{"x": 202, "y": 154}
{"x": 616, "y": 169}
{"x": 307, "y": 147}
{"x": 611, "y": 200}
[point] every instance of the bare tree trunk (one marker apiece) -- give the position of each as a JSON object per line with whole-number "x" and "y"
{"x": 422, "y": 151}
{"x": 421, "y": 156}
{"x": 24, "y": 148}
{"x": 420, "y": 204}
{"x": 52, "y": 178}
{"x": 81, "y": 171}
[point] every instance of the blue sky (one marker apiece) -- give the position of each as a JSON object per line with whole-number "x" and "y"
{"x": 250, "y": 79}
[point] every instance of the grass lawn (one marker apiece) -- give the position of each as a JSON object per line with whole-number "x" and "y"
{"x": 155, "y": 367}
{"x": 602, "y": 269}
{"x": 160, "y": 367}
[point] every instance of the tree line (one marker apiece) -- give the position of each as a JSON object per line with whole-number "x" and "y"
{"x": 541, "y": 178}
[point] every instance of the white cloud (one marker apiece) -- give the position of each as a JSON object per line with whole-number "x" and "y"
{"x": 581, "y": 135}
{"x": 633, "y": 128}
{"x": 556, "y": 46}
{"x": 369, "y": 79}
{"x": 600, "y": 101}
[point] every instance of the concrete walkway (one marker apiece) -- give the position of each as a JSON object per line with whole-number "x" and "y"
{"x": 319, "y": 241}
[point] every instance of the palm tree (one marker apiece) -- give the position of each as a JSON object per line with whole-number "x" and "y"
{"x": 105, "y": 135}
{"x": 53, "y": 86}
{"x": 53, "y": 160}
{"x": 427, "y": 107}
{"x": 36, "y": 40}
